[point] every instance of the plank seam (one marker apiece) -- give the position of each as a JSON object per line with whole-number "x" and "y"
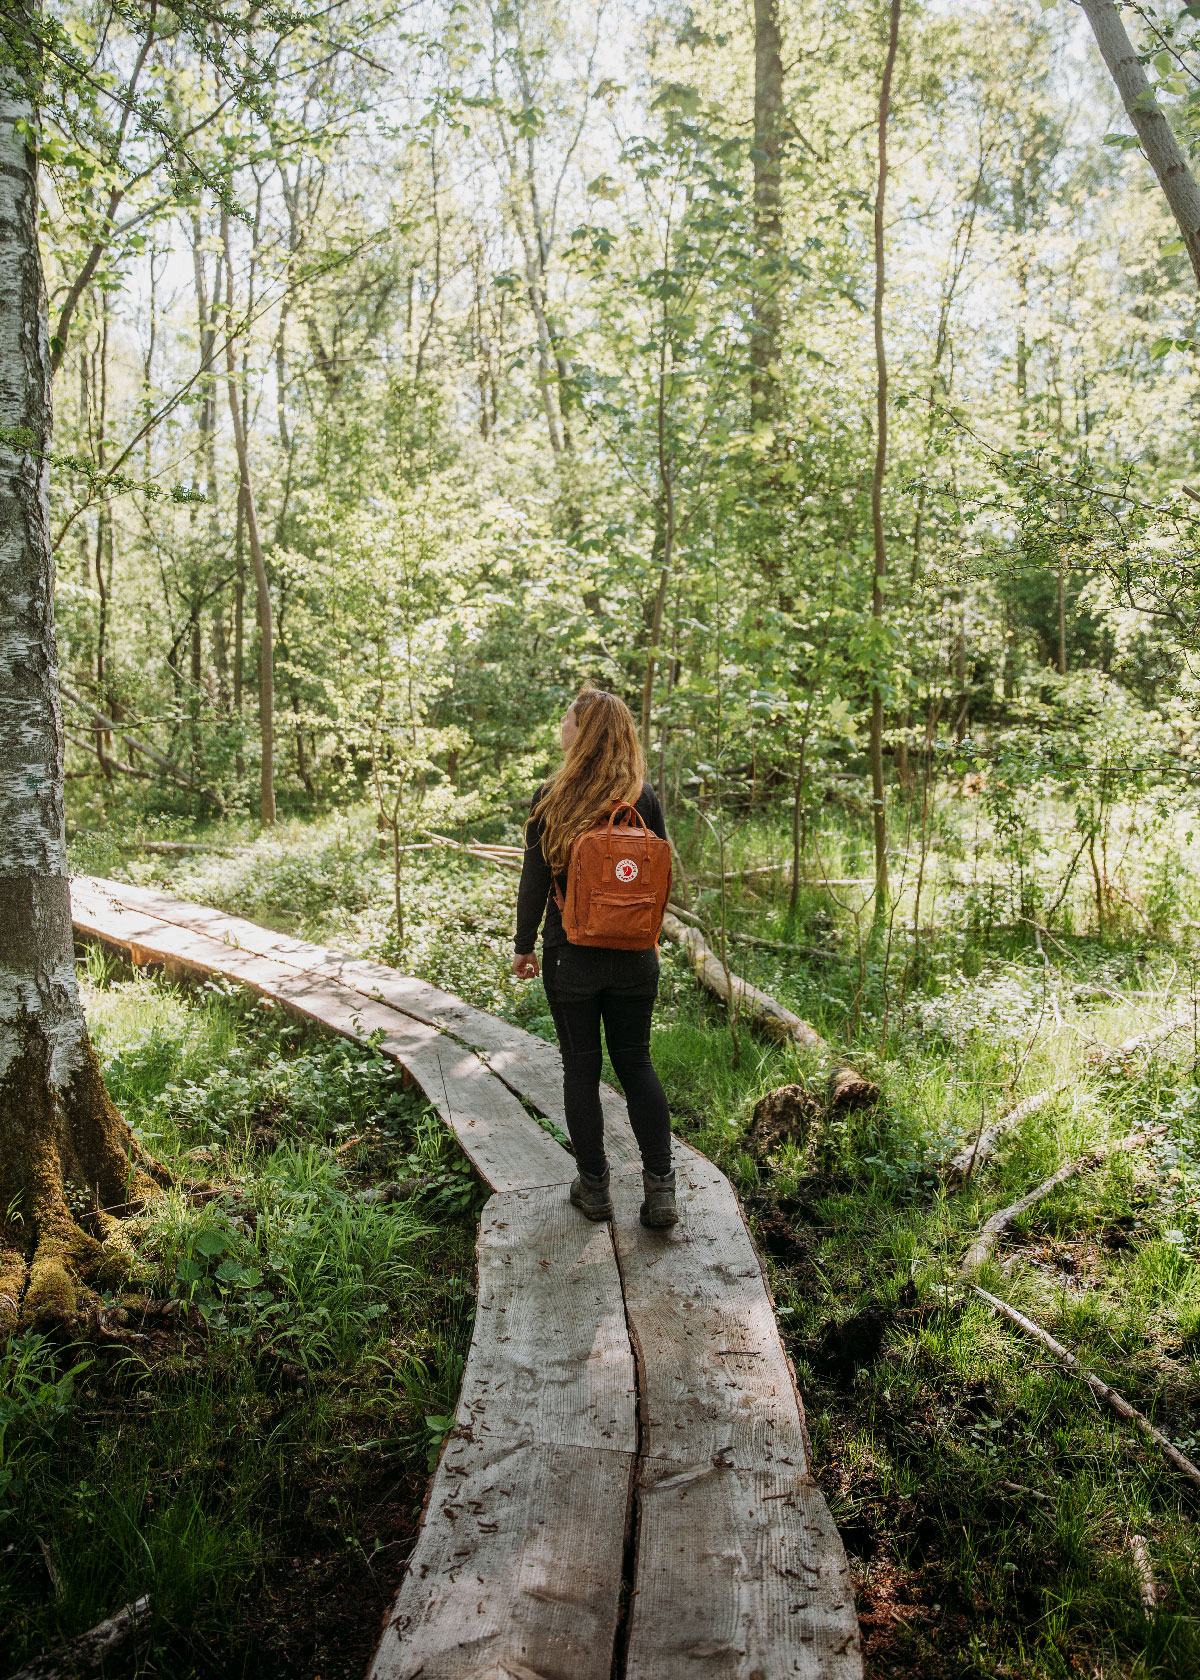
{"x": 633, "y": 1507}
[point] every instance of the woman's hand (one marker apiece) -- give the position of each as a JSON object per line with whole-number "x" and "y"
{"x": 526, "y": 967}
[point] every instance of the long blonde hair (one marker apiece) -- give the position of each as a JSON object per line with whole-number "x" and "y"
{"x": 604, "y": 762}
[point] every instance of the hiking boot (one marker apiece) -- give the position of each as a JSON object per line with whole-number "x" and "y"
{"x": 659, "y": 1210}
{"x": 590, "y": 1195}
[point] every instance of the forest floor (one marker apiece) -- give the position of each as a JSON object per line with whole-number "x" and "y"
{"x": 258, "y": 1464}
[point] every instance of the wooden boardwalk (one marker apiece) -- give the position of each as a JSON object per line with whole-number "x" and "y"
{"x": 626, "y": 1491}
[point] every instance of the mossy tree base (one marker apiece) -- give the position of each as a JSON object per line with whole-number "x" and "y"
{"x": 59, "y": 1136}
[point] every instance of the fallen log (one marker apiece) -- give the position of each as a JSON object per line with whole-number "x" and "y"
{"x": 994, "y": 1228}
{"x": 757, "y": 1006}
{"x": 1099, "y": 1388}
{"x": 88, "y": 1652}
{"x": 847, "y": 1088}
{"x": 976, "y": 1152}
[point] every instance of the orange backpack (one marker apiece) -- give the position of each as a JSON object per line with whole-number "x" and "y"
{"x": 618, "y": 884}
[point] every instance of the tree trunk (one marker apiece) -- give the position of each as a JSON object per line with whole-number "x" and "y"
{"x": 798, "y": 838}
{"x": 1153, "y": 130}
{"x": 878, "y": 807}
{"x": 56, "y": 1121}
{"x": 1062, "y": 625}
{"x": 239, "y": 605}
{"x": 768, "y": 218}
{"x": 266, "y": 660}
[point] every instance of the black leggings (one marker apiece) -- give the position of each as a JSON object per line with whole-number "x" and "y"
{"x": 585, "y": 986}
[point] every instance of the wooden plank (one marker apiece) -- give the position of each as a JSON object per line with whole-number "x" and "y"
{"x": 505, "y": 1143}
{"x": 518, "y": 1567}
{"x": 741, "y": 1576}
{"x": 516, "y": 1573}
{"x": 716, "y": 1383}
{"x": 527, "y": 1064}
{"x": 551, "y": 1358}
{"x": 731, "y": 1525}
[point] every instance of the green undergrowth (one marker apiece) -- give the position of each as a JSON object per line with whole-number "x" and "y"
{"x": 987, "y": 1503}
{"x": 245, "y": 1433}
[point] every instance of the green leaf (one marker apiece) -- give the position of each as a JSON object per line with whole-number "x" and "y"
{"x": 210, "y": 1242}
{"x": 1174, "y": 247}
{"x": 1160, "y": 347}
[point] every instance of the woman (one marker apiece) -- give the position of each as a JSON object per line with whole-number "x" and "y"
{"x": 588, "y": 984}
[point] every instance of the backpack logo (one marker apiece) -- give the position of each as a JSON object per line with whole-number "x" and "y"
{"x": 626, "y": 870}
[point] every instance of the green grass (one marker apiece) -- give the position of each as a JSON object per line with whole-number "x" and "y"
{"x": 268, "y": 1441}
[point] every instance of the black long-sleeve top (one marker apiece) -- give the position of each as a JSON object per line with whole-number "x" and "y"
{"x": 535, "y": 896}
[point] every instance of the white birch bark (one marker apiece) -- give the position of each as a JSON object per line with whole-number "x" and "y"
{"x": 56, "y": 1120}
{"x": 38, "y": 991}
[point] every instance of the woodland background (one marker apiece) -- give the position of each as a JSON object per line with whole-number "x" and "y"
{"x": 415, "y": 364}
{"x": 548, "y": 370}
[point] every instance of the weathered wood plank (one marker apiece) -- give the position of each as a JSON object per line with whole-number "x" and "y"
{"x": 506, "y": 1143}
{"x": 516, "y": 1574}
{"x": 723, "y": 1431}
{"x": 730, "y": 1522}
{"x": 741, "y": 1576}
{"x": 527, "y": 1064}
{"x": 551, "y": 1358}
{"x": 716, "y": 1383}
{"x": 518, "y": 1567}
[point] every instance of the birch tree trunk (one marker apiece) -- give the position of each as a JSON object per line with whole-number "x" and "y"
{"x": 1153, "y": 130}
{"x": 875, "y": 744}
{"x": 56, "y": 1121}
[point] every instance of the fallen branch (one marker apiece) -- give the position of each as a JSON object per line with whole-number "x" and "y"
{"x": 999, "y": 1222}
{"x": 99, "y": 721}
{"x": 1139, "y": 1551}
{"x": 1023, "y": 1492}
{"x": 1100, "y": 1389}
{"x": 1149, "y": 1040}
{"x": 757, "y": 1006}
{"x": 776, "y": 944}
{"x": 785, "y": 870}
{"x": 90, "y": 1649}
{"x": 847, "y": 1088}
{"x": 110, "y": 763}
{"x": 970, "y": 1157}
{"x": 504, "y": 857}
{"x": 176, "y": 848}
